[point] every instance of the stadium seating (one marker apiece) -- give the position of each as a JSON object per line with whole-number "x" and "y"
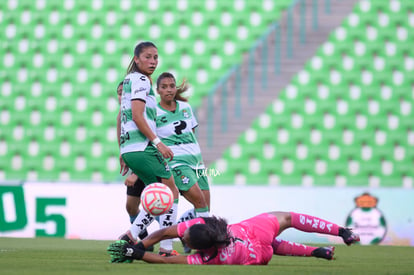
{"x": 61, "y": 62}
{"x": 344, "y": 120}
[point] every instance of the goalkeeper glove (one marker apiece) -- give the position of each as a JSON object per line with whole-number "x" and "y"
{"x": 121, "y": 251}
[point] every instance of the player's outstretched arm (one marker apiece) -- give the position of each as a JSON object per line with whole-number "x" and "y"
{"x": 123, "y": 252}
{"x": 158, "y": 259}
{"x": 161, "y": 234}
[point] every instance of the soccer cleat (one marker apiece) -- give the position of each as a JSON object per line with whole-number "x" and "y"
{"x": 348, "y": 236}
{"x": 168, "y": 254}
{"x": 324, "y": 252}
{"x": 174, "y": 253}
{"x": 127, "y": 236}
{"x": 143, "y": 234}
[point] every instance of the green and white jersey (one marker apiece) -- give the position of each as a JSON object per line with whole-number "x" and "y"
{"x": 136, "y": 87}
{"x": 175, "y": 129}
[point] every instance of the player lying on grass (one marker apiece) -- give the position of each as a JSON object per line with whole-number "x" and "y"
{"x": 250, "y": 242}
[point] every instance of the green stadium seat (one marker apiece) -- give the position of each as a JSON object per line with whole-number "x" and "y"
{"x": 290, "y": 179}
{"x": 321, "y": 175}
{"x": 357, "y": 180}
{"x": 223, "y": 179}
{"x": 310, "y": 101}
{"x": 357, "y": 111}
{"x": 259, "y": 179}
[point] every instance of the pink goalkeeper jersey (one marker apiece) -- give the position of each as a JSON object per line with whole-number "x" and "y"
{"x": 251, "y": 245}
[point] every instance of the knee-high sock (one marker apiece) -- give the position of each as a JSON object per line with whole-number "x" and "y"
{"x": 285, "y": 248}
{"x": 167, "y": 220}
{"x": 142, "y": 221}
{"x": 309, "y": 223}
{"x": 187, "y": 215}
{"x": 194, "y": 213}
{"x": 202, "y": 212}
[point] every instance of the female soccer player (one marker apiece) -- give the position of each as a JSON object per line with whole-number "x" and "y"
{"x": 176, "y": 124}
{"x": 134, "y": 185}
{"x": 141, "y": 150}
{"x": 250, "y": 242}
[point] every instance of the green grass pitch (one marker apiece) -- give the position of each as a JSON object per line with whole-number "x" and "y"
{"x": 60, "y": 256}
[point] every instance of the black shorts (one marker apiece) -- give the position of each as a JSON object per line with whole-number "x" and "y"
{"x": 136, "y": 190}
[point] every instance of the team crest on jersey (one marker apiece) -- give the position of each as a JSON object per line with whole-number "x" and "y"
{"x": 185, "y": 180}
{"x": 185, "y": 114}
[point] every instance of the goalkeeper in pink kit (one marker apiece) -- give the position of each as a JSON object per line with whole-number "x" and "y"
{"x": 250, "y": 242}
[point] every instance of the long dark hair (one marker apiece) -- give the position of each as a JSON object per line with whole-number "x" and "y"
{"x": 132, "y": 67}
{"x": 180, "y": 89}
{"x": 212, "y": 234}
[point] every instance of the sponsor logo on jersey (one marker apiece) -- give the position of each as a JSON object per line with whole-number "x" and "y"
{"x": 139, "y": 90}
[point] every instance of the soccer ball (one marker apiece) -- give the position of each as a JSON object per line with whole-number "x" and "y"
{"x": 157, "y": 199}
